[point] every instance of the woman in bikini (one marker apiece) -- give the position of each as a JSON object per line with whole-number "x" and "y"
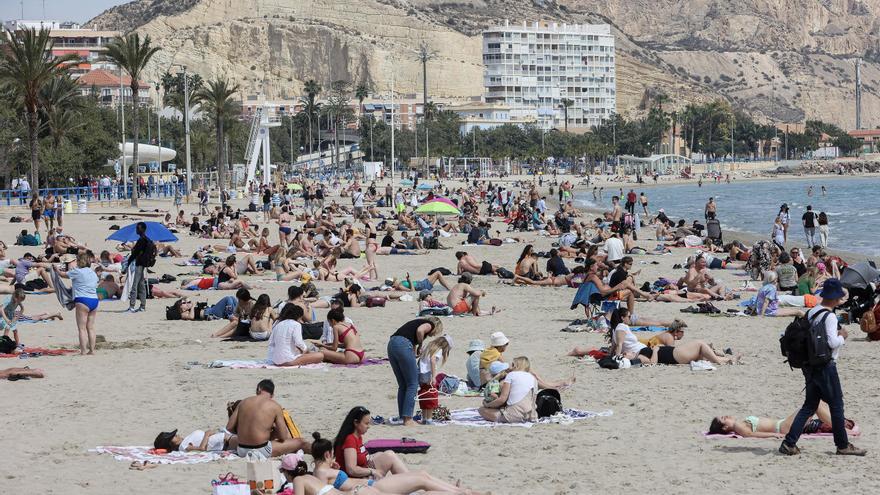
{"x": 344, "y": 335}
{"x": 262, "y": 318}
{"x": 283, "y": 226}
{"x": 759, "y": 427}
{"x": 371, "y": 251}
{"x": 327, "y": 471}
{"x": 36, "y": 206}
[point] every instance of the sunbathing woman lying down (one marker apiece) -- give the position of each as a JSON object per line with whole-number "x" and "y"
{"x": 758, "y": 427}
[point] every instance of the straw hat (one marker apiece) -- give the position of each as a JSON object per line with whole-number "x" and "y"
{"x": 67, "y": 258}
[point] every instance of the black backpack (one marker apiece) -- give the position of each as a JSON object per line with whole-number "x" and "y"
{"x": 805, "y": 343}
{"x": 548, "y": 402}
{"x": 152, "y": 252}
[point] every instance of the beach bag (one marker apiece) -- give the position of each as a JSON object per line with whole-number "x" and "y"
{"x": 548, "y": 402}
{"x": 376, "y": 302}
{"x": 495, "y": 242}
{"x": 805, "y": 343}
{"x": 261, "y": 475}
{"x": 438, "y": 311}
{"x": 443, "y": 271}
{"x": 14, "y": 219}
{"x": 868, "y": 322}
{"x": 608, "y": 362}
{"x": 449, "y": 384}
{"x": 504, "y": 273}
{"x": 7, "y": 345}
{"x": 229, "y": 484}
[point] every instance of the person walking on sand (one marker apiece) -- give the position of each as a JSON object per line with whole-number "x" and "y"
{"x": 822, "y": 220}
{"x": 809, "y": 222}
{"x": 784, "y": 219}
{"x": 822, "y": 382}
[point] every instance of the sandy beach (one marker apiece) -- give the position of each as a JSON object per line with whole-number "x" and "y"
{"x": 149, "y": 377}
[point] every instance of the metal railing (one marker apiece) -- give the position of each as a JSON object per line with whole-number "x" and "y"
{"x": 14, "y": 197}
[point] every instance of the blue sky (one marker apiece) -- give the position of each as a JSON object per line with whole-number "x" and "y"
{"x": 56, "y": 10}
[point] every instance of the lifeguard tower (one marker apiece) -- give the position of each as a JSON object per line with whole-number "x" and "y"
{"x": 259, "y": 140}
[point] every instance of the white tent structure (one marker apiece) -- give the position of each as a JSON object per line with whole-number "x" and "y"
{"x": 147, "y": 153}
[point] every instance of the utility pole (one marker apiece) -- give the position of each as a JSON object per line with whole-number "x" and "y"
{"x": 424, "y": 54}
{"x": 186, "y": 132}
{"x": 159, "y": 121}
{"x": 291, "y": 141}
{"x": 392, "y": 127}
{"x": 858, "y": 94}
{"x": 122, "y": 119}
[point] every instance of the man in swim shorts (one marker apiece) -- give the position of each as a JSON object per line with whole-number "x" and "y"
{"x": 258, "y": 422}
{"x": 467, "y": 264}
{"x": 461, "y": 292}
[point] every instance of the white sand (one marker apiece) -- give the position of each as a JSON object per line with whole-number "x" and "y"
{"x": 652, "y": 444}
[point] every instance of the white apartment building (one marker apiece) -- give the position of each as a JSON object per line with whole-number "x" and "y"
{"x": 532, "y": 67}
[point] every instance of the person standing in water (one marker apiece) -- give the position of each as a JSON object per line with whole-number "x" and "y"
{"x": 824, "y": 191}
{"x": 710, "y": 208}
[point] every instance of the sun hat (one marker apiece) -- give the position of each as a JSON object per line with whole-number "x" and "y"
{"x": 449, "y": 339}
{"x": 476, "y": 345}
{"x": 498, "y": 339}
{"x": 67, "y": 258}
{"x": 163, "y": 440}
{"x": 832, "y": 289}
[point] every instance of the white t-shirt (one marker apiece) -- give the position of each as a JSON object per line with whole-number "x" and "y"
{"x": 286, "y": 342}
{"x": 358, "y": 199}
{"x": 425, "y": 364}
{"x": 614, "y": 248}
{"x": 630, "y": 342}
{"x": 215, "y": 441}
{"x": 521, "y": 383}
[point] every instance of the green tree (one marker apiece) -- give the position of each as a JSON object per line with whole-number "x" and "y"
{"x": 132, "y": 55}
{"x": 216, "y": 100}
{"x": 339, "y": 110}
{"x": 25, "y": 68}
{"x": 361, "y": 92}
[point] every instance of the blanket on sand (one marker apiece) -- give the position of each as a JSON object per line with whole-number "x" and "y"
{"x": 151, "y": 455}
{"x": 263, "y": 364}
{"x": 470, "y": 417}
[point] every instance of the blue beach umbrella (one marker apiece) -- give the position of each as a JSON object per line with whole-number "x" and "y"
{"x": 424, "y": 186}
{"x": 406, "y": 182}
{"x": 155, "y": 231}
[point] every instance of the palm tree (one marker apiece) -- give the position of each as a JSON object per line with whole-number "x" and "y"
{"x": 216, "y": 99}
{"x": 132, "y": 55}
{"x": 566, "y": 102}
{"x": 312, "y": 89}
{"x": 361, "y": 92}
{"x": 25, "y": 69}
{"x": 339, "y": 111}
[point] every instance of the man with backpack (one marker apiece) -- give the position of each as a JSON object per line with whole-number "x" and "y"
{"x": 143, "y": 255}
{"x": 813, "y": 345}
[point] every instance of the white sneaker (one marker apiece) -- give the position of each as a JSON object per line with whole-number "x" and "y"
{"x": 702, "y": 366}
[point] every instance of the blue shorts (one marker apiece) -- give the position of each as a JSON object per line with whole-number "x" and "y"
{"x": 284, "y": 230}
{"x": 89, "y": 302}
{"x": 49, "y": 213}
{"x": 265, "y": 206}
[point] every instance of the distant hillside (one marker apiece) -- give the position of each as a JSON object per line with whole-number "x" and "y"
{"x": 783, "y": 60}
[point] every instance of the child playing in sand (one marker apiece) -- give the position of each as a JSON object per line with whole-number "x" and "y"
{"x": 8, "y": 316}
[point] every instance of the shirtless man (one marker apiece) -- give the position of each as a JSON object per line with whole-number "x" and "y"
{"x": 616, "y": 212}
{"x": 457, "y": 299}
{"x": 467, "y": 264}
{"x": 710, "y": 208}
{"x": 698, "y": 280}
{"x": 259, "y": 424}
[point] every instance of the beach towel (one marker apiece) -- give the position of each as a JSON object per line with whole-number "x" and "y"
{"x": 62, "y": 291}
{"x": 257, "y": 364}
{"x": 41, "y": 351}
{"x": 149, "y": 454}
{"x": 853, "y": 433}
{"x": 263, "y": 364}
{"x": 470, "y": 417}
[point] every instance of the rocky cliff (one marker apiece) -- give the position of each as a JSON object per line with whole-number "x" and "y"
{"x": 784, "y": 60}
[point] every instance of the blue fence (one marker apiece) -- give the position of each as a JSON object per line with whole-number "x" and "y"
{"x": 10, "y": 197}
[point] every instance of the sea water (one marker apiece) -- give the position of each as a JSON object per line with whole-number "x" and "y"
{"x": 851, "y": 204}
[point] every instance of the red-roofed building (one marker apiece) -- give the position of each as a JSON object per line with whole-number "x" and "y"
{"x": 870, "y": 139}
{"x": 105, "y": 85}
